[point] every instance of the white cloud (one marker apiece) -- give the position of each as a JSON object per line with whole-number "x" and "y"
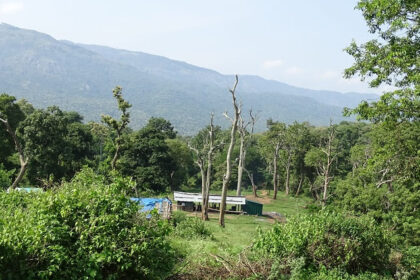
{"x": 294, "y": 70}
{"x": 8, "y": 8}
{"x": 273, "y": 63}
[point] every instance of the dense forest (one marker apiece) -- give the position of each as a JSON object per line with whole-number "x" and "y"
{"x": 361, "y": 178}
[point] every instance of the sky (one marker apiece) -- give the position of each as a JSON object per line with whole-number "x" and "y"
{"x": 298, "y": 42}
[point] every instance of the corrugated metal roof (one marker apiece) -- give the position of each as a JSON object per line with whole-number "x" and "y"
{"x": 197, "y": 197}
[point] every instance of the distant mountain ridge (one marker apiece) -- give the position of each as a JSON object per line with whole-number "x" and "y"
{"x": 81, "y": 77}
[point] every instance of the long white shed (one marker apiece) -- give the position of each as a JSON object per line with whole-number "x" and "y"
{"x": 197, "y": 197}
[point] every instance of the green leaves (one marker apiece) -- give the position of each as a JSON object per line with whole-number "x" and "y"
{"x": 86, "y": 229}
{"x": 329, "y": 240}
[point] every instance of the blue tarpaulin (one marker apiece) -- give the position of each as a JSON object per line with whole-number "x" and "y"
{"x": 148, "y": 204}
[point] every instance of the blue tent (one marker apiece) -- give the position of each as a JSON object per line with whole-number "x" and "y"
{"x": 148, "y": 204}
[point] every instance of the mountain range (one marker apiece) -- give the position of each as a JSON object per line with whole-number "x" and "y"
{"x": 80, "y": 77}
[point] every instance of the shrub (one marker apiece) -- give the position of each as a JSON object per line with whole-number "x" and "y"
{"x": 407, "y": 263}
{"x": 5, "y": 177}
{"x": 191, "y": 228}
{"x": 85, "y": 229}
{"x": 330, "y": 240}
{"x": 178, "y": 217}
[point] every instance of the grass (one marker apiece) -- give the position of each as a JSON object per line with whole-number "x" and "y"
{"x": 239, "y": 231}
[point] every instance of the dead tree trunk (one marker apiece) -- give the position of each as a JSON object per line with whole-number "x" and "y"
{"x": 206, "y": 193}
{"x": 251, "y": 178}
{"x": 226, "y": 177}
{"x": 288, "y": 163}
{"x": 241, "y": 163}
{"x": 326, "y": 169}
{"x": 22, "y": 159}
{"x": 245, "y": 140}
{"x": 300, "y": 185}
{"x": 276, "y": 154}
{"x": 201, "y": 164}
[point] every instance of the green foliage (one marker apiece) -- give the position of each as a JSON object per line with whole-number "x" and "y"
{"x": 146, "y": 157}
{"x": 192, "y": 227}
{"x": 10, "y": 111}
{"x": 330, "y": 240}
{"x": 183, "y": 166}
{"x": 5, "y": 177}
{"x": 392, "y": 60}
{"x": 56, "y": 142}
{"x": 86, "y": 229}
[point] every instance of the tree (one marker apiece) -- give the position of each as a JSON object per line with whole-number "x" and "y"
{"x": 11, "y": 115}
{"x": 391, "y": 60}
{"x": 227, "y": 175}
{"x": 146, "y": 157}
{"x": 163, "y": 126}
{"x": 204, "y": 145}
{"x": 272, "y": 142}
{"x": 322, "y": 159}
{"x": 183, "y": 163}
{"x": 244, "y": 137}
{"x": 118, "y": 126}
{"x": 389, "y": 178}
{"x": 56, "y": 142}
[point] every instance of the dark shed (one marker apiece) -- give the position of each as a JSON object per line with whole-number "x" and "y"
{"x": 253, "y": 208}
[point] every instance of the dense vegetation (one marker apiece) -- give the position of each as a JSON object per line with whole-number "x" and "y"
{"x": 87, "y": 228}
{"x": 362, "y": 180}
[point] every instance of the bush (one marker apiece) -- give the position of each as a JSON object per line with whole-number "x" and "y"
{"x": 5, "y": 177}
{"x": 178, "y": 217}
{"x": 329, "y": 240}
{"x": 191, "y": 228}
{"x": 86, "y": 229}
{"x": 407, "y": 263}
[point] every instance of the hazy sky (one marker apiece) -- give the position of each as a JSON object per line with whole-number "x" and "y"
{"x": 298, "y": 42}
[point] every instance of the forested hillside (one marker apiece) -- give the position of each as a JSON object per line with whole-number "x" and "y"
{"x": 79, "y": 77}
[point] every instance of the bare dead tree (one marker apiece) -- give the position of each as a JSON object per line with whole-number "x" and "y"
{"x": 22, "y": 158}
{"x": 226, "y": 177}
{"x": 245, "y": 138}
{"x": 251, "y": 179}
{"x": 205, "y": 163}
{"x": 300, "y": 184}
{"x": 276, "y": 156}
{"x": 329, "y": 152}
{"x": 212, "y": 148}
{"x": 200, "y": 161}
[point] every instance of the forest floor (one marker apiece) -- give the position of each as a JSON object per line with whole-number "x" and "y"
{"x": 239, "y": 231}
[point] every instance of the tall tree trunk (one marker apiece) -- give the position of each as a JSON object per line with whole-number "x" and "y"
{"x": 327, "y": 169}
{"x": 23, "y": 161}
{"x": 206, "y": 193}
{"x": 245, "y": 140}
{"x": 276, "y": 153}
{"x": 288, "y": 174}
{"x": 242, "y": 154}
{"x": 251, "y": 178}
{"x": 203, "y": 191}
{"x": 300, "y": 185}
{"x": 226, "y": 177}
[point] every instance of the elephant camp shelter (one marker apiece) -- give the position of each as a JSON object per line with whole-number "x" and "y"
{"x": 238, "y": 204}
{"x": 162, "y": 205}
